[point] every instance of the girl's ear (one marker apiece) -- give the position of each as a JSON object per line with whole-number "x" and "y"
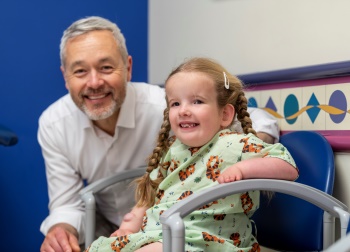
{"x": 228, "y": 114}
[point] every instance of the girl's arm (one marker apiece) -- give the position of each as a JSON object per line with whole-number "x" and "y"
{"x": 131, "y": 222}
{"x": 268, "y": 167}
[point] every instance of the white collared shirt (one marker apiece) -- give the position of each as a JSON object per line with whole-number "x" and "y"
{"x": 74, "y": 150}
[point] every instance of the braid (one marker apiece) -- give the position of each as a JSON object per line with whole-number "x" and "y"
{"x": 146, "y": 187}
{"x": 243, "y": 115}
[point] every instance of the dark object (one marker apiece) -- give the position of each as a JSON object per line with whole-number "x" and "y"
{"x": 7, "y": 136}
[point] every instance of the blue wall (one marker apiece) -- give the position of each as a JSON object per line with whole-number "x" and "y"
{"x": 30, "y": 80}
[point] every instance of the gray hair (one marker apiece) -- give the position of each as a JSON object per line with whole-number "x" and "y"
{"x": 93, "y": 23}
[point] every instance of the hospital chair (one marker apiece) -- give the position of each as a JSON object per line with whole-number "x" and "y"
{"x": 88, "y": 196}
{"x": 300, "y": 216}
{"x": 298, "y": 143}
{"x": 174, "y": 228}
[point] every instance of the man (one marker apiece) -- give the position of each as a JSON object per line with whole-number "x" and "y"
{"x": 104, "y": 125}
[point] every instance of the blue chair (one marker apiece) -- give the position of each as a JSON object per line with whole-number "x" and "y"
{"x": 314, "y": 158}
{"x": 301, "y": 214}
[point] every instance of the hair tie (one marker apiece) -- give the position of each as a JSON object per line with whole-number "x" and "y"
{"x": 227, "y": 83}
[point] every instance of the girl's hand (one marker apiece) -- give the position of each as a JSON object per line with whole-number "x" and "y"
{"x": 233, "y": 173}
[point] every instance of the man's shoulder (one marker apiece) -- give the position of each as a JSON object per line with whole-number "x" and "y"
{"x": 62, "y": 108}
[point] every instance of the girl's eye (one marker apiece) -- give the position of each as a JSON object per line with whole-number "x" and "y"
{"x": 197, "y": 102}
{"x": 175, "y": 104}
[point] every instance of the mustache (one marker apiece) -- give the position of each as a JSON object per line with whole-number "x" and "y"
{"x": 100, "y": 90}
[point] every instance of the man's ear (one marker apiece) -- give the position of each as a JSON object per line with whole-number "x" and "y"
{"x": 228, "y": 114}
{"x": 129, "y": 68}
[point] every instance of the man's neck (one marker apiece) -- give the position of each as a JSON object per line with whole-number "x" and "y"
{"x": 108, "y": 125}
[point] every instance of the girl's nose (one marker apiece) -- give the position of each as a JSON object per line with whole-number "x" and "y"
{"x": 184, "y": 111}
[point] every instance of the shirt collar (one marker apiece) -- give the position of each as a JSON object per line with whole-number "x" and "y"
{"x": 127, "y": 112}
{"x": 82, "y": 120}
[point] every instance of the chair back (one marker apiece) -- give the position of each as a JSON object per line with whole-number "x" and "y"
{"x": 289, "y": 223}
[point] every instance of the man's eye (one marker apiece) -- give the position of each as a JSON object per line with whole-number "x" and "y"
{"x": 79, "y": 72}
{"x": 107, "y": 68}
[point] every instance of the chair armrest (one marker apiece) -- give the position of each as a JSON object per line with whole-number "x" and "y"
{"x": 87, "y": 195}
{"x": 342, "y": 245}
{"x": 173, "y": 226}
{"x": 116, "y": 178}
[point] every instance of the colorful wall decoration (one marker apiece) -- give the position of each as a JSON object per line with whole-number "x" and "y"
{"x": 314, "y": 101}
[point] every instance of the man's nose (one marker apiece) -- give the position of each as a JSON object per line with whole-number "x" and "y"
{"x": 95, "y": 80}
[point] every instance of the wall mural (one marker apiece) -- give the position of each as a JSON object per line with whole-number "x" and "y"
{"x": 306, "y": 106}
{"x": 336, "y": 108}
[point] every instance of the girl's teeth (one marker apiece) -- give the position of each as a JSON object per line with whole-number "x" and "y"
{"x": 187, "y": 125}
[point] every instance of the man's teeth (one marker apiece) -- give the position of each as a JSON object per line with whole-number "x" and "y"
{"x": 188, "y": 125}
{"x": 97, "y": 97}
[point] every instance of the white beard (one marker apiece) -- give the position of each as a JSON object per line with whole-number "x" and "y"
{"x": 97, "y": 114}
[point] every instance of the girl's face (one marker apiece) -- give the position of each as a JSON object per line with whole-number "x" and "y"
{"x": 193, "y": 110}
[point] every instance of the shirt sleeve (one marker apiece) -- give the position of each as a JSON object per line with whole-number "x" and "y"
{"x": 255, "y": 147}
{"x": 64, "y": 183}
{"x": 264, "y": 122}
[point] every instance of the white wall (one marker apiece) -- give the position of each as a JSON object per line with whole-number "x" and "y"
{"x": 247, "y": 35}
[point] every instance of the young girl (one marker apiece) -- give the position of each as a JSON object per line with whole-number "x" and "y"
{"x": 202, "y": 99}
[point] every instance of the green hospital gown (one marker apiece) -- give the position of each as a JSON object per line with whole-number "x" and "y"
{"x": 222, "y": 225}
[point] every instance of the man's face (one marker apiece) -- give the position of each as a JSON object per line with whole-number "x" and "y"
{"x": 95, "y": 74}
